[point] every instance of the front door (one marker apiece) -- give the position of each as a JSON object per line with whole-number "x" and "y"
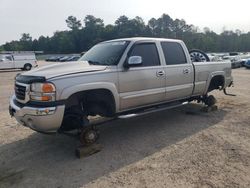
{"x": 144, "y": 84}
{"x": 6, "y": 62}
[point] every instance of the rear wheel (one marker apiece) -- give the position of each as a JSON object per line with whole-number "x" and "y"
{"x": 27, "y": 67}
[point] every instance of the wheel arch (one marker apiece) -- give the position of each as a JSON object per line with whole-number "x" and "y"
{"x": 108, "y": 89}
{"x": 216, "y": 81}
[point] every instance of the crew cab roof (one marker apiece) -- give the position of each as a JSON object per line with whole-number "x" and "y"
{"x": 136, "y": 39}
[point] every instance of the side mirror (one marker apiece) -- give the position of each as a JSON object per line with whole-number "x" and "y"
{"x": 133, "y": 61}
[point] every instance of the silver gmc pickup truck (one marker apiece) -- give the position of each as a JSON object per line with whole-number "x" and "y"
{"x": 117, "y": 78}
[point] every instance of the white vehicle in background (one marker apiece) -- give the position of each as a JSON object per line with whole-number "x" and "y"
{"x": 236, "y": 61}
{"x": 17, "y": 60}
{"x": 214, "y": 57}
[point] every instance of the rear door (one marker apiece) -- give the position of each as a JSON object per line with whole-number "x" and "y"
{"x": 179, "y": 73}
{"x": 144, "y": 84}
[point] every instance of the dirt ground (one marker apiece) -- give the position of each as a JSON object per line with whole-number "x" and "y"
{"x": 182, "y": 147}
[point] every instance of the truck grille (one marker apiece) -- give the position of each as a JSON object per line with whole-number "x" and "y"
{"x": 20, "y": 92}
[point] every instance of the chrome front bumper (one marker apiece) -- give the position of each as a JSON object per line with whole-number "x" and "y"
{"x": 41, "y": 119}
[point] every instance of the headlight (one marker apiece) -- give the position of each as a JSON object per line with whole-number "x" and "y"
{"x": 42, "y": 92}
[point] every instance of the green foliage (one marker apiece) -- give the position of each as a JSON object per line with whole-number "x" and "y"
{"x": 1, "y": 48}
{"x": 82, "y": 36}
{"x": 73, "y": 23}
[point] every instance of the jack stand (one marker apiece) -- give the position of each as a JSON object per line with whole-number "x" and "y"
{"x": 209, "y": 108}
{"x": 85, "y": 151}
{"x": 89, "y": 145}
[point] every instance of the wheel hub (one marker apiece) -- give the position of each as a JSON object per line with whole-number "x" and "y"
{"x": 88, "y": 136}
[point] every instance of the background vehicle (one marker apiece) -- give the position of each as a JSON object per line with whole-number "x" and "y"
{"x": 247, "y": 64}
{"x": 53, "y": 58}
{"x": 118, "y": 78}
{"x": 236, "y": 61}
{"x": 18, "y": 60}
{"x": 63, "y": 58}
{"x": 74, "y": 58}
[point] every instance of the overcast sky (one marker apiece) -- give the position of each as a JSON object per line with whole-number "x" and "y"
{"x": 43, "y": 17}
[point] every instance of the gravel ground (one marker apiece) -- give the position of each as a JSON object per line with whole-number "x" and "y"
{"x": 182, "y": 147}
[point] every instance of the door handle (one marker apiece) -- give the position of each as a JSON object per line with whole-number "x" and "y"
{"x": 186, "y": 71}
{"x": 160, "y": 73}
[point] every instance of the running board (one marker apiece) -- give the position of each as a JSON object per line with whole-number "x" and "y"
{"x": 152, "y": 110}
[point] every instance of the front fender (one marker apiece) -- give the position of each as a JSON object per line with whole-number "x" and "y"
{"x": 67, "y": 92}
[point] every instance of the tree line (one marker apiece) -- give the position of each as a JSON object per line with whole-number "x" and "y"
{"x": 84, "y": 34}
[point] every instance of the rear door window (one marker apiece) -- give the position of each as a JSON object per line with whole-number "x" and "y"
{"x": 173, "y": 53}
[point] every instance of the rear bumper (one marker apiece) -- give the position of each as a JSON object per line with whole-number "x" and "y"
{"x": 41, "y": 119}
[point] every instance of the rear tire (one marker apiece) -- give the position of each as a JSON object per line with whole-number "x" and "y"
{"x": 27, "y": 67}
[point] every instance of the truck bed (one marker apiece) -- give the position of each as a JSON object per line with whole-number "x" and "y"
{"x": 204, "y": 71}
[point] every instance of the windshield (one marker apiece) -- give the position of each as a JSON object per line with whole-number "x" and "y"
{"x": 107, "y": 53}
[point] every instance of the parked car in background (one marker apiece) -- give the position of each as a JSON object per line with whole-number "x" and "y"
{"x": 214, "y": 57}
{"x": 236, "y": 61}
{"x": 69, "y": 58}
{"x": 18, "y": 60}
{"x": 234, "y": 53}
{"x": 74, "y": 58}
{"x": 247, "y": 64}
{"x": 63, "y": 58}
{"x": 54, "y": 58}
{"x": 244, "y": 58}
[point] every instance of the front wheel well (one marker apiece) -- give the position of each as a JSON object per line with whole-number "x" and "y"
{"x": 217, "y": 82}
{"x": 93, "y": 102}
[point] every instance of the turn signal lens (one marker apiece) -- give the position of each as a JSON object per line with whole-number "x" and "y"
{"x": 48, "y": 88}
{"x": 43, "y": 87}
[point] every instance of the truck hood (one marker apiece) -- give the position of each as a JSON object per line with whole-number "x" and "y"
{"x": 60, "y": 69}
